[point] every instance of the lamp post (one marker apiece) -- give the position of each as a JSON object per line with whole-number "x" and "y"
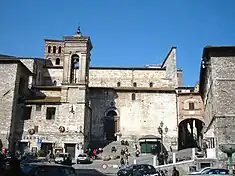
{"x": 162, "y": 131}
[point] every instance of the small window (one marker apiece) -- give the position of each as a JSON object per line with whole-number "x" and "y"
{"x": 191, "y": 106}
{"x": 59, "y": 50}
{"x": 57, "y": 61}
{"x": 49, "y": 49}
{"x": 50, "y": 113}
{"x": 27, "y": 112}
{"x": 151, "y": 84}
{"x": 133, "y": 96}
{"x": 118, "y": 84}
{"x": 38, "y": 107}
{"x": 134, "y": 84}
{"x": 191, "y": 90}
{"x": 54, "y": 49}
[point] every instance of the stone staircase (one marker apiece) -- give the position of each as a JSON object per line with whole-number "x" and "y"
{"x": 117, "y": 144}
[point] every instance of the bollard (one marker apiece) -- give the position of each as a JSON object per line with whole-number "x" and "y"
{"x": 134, "y": 161}
{"x": 174, "y": 158}
{"x": 154, "y": 161}
{"x": 193, "y": 153}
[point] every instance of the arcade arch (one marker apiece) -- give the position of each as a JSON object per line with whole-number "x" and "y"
{"x": 190, "y": 133}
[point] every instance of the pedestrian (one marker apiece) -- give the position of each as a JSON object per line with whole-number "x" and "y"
{"x": 175, "y": 172}
{"x": 122, "y": 162}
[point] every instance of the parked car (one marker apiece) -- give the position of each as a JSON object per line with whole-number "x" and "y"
{"x": 137, "y": 169}
{"x": 61, "y": 158}
{"x": 216, "y": 171}
{"x": 200, "y": 172}
{"x": 47, "y": 169}
{"x": 84, "y": 159}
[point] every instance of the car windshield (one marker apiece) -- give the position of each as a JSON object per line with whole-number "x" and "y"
{"x": 81, "y": 155}
{"x": 27, "y": 168}
{"x": 60, "y": 155}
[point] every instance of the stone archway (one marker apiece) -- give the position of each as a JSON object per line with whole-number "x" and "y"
{"x": 111, "y": 125}
{"x": 190, "y": 133}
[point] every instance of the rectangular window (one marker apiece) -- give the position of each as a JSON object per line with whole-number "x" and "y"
{"x": 50, "y": 115}
{"x": 36, "y": 129}
{"x": 38, "y": 107}
{"x": 191, "y": 106}
{"x": 27, "y": 112}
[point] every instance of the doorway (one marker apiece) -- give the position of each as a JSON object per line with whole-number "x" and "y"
{"x": 23, "y": 147}
{"x": 111, "y": 126}
{"x": 70, "y": 148}
{"x": 46, "y": 147}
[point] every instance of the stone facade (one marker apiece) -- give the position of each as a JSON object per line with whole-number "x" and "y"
{"x": 217, "y": 90}
{"x": 190, "y": 116}
{"x": 72, "y": 104}
{"x": 13, "y": 89}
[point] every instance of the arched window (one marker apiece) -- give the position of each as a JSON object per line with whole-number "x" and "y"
{"x": 74, "y": 66}
{"x": 57, "y": 61}
{"x": 49, "y": 49}
{"x": 54, "y": 49}
{"x": 133, "y": 96}
{"x": 134, "y": 84}
{"x": 59, "y": 50}
{"x": 151, "y": 84}
{"x": 118, "y": 84}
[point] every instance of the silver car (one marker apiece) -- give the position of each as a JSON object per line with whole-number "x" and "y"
{"x": 84, "y": 159}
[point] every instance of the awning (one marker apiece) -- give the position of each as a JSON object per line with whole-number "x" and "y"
{"x": 149, "y": 138}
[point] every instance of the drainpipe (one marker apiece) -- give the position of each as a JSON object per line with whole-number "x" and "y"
{"x": 177, "y": 112}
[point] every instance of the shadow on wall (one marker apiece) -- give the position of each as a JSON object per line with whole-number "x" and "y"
{"x": 47, "y": 80}
{"x": 105, "y": 124}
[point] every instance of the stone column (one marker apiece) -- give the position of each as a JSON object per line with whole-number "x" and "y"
{"x": 83, "y": 67}
{"x": 66, "y": 69}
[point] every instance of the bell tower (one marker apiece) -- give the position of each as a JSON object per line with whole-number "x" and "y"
{"x": 77, "y": 50}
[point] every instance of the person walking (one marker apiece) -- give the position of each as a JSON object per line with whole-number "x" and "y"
{"x": 175, "y": 172}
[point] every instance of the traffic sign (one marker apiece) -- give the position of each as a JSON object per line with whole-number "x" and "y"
{"x": 104, "y": 166}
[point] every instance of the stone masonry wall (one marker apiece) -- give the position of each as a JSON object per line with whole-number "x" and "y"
{"x": 137, "y": 117}
{"x": 143, "y": 116}
{"x": 223, "y": 76}
{"x": 7, "y": 85}
{"x": 110, "y": 78}
{"x": 72, "y": 121}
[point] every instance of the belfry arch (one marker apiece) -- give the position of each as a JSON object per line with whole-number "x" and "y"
{"x": 111, "y": 125}
{"x": 190, "y": 133}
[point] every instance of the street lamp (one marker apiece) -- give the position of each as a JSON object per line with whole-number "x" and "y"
{"x": 162, "y": 131}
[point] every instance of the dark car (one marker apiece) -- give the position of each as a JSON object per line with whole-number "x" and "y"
{"x": 216, "y": 172}
{"x": 137, "y": 170}
{"x": 47, "y": 169}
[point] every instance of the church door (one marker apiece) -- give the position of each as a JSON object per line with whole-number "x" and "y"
{"x": 110, "y": 126}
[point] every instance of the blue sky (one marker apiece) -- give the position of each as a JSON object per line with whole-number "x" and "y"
{"x": 123, "y": 32}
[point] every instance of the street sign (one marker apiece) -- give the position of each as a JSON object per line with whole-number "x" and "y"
{"x": 40, "y": 140}
{"x": 104, "y": 166}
